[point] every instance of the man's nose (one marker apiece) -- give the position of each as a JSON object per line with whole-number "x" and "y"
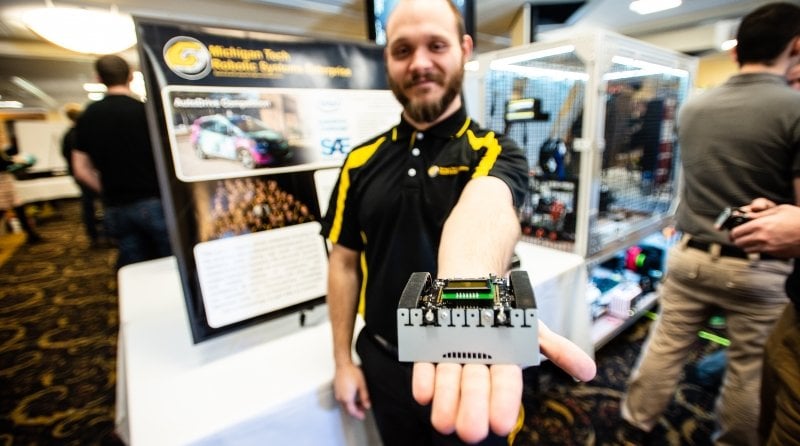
{"x": 421, "y": 60}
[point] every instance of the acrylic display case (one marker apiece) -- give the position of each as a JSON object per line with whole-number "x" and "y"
{"x": 595, "y": 115}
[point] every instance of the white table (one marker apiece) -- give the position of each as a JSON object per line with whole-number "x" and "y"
{"x": 270, "y": 383}
{"x": 44, "y": 189}
{"x": 559, "y": 282}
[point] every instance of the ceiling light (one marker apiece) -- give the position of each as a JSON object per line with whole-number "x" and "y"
{"x": 89, "y": 31}
{"x": 137, "y": 84}
{"x": 10, "y": 104}
{"x": 94, "y": 87}
{"x": 650, "y": 6}
{"x": 728, "y": 45}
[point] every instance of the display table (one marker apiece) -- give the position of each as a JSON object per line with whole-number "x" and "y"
{"x": 559, "y": 282}
{"x": 44, "y": 189}
{"x": 271, "y": 383}
{"x": 268, "y": 384}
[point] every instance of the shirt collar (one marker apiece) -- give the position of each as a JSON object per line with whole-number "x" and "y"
{"x": 749, "y": 78}
{"x": 451, "y": 127}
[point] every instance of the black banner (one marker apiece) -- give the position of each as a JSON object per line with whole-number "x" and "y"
{"x": 249, "y": 130}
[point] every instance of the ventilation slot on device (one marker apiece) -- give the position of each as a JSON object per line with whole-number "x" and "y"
{"x": 466, "y": 355}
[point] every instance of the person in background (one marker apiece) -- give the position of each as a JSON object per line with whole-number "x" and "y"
{"x": 113, "y": 156}
{"x": 88, "y": 196}
{"x": 10, "y": 159}
{"x": 709, "y": 369}
{"x": 727, "y": 162}
{"x": 775, "y": 230}
{"x": 436, "y": 193}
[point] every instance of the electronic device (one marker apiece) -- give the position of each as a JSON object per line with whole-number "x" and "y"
{"x": 730, "y": 218}
{"x": 490, "y": 320}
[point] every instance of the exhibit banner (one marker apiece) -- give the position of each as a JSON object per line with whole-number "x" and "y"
{"x": 249, "y": 130}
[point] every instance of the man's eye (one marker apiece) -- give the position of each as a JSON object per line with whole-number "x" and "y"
{"x": 438, "y": 46}
{"x": 400, "y": 52}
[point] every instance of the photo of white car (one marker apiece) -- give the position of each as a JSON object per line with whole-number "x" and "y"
{"x": 239, "y": 137}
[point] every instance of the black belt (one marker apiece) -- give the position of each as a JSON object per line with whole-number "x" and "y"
{"x": 726, "y": 250}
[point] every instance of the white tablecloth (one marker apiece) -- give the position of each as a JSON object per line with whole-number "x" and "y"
{"x": 268, "y": 384}
{"x": 559, "y": 283}
{"x": 44, "y": 189}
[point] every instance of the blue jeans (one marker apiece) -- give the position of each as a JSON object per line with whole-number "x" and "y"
{"x": 88, "y": 197}
{"x": 140, "y": 231}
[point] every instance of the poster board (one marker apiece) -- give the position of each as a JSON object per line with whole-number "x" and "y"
{"x": 42, "y": 139}
{"x": 242, "y": 123}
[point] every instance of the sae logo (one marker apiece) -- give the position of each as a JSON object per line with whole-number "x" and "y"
{"x": 187, "y": 57}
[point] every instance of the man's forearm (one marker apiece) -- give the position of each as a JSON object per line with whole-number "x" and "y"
{"x": 343, "y": 287}
{"x": 84, "y": 171}
{"x": 480, "y": 234}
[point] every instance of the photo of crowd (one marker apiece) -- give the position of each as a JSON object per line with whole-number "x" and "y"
{"x": 239, "y": 206}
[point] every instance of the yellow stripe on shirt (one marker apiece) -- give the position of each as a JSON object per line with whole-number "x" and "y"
{"x": 358, "y": 157}
{"x": 493, "y": 150}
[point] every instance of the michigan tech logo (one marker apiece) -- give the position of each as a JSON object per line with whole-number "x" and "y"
{"x": 187, "y": 57}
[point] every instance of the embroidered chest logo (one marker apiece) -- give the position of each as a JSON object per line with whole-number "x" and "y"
{"x": 435, "y": 171}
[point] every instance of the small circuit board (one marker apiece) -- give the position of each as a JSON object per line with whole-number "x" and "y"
{"x": 491, "y": 320}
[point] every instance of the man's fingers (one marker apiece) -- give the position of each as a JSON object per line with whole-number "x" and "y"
{"x": 363, "y": 401}
{"x": 472, "y": 423}
{"x": 354, "y": 409}
{"x": 505, "y": 399}
{"x": 447, "y": 388}
{"x": 566, "y": 355}
{"x": 422, "y": 382}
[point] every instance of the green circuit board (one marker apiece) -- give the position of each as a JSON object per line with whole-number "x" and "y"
{"x": 468, "y": 292}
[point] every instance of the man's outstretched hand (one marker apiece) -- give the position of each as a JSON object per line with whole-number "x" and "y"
{"x": 473, "y": 398}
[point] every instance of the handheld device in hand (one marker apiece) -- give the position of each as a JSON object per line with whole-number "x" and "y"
{"x": 490, "y": 320}
{"x": 730, "y": 218}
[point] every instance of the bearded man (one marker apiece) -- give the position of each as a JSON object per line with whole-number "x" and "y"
{"x": 436, "y": 193}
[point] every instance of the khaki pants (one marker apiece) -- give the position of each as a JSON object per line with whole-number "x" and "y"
{"x": 751, "y": 296}
{"x": 780, "y": 390}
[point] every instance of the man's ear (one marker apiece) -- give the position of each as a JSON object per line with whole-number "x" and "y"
{"x": 466, "y": 46}
{"x": 795, "y": 47}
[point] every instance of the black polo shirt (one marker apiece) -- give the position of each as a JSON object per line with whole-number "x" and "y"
{"x": 394, "y": 194}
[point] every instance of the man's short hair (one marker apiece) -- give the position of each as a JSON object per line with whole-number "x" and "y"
{"x": 766, "y": 32}
{"x": 112, "y": 70}
{"x": 461, "y": 27}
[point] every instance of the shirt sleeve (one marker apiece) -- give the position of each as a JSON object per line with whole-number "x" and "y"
{"x": 512, "y": 167}
{"x": 340, "y": 223}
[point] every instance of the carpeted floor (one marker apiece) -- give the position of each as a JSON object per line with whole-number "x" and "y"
{"x": 58, "y": 331}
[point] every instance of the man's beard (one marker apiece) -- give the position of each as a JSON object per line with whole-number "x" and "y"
{"x": 420, "y": 111}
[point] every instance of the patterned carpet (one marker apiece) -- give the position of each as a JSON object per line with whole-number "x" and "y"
{"x": 564, "y": 412}
{"x": 58, "y": 334}
{"x": 58, "y": 331}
